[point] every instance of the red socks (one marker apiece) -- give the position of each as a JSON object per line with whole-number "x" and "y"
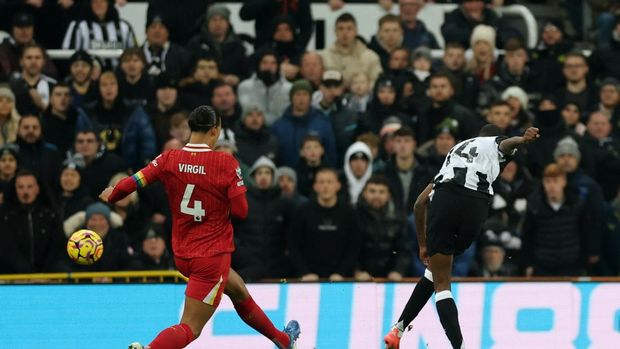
{"x": 254, "y": 316}
{"x": 174, "y": 337}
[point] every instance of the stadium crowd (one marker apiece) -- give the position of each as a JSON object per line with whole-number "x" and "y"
{"x": 334, "y": 145}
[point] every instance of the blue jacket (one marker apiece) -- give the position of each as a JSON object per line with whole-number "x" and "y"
{"x": 137, "y": 143}
{"x": 291, "y": 131}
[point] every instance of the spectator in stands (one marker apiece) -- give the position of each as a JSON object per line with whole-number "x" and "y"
{"x": 197, "y": 90}
{"x": 556, "y": 239}
{"x": 415, "y": 32}
{"x": 521, "y": 117}
{"x": 83, "y": 87}
{"x": 179, "y": 127}
{"x": 101, "y": 28}
{"x": 263, "y": 13}
{"x": 165, "y": 106}
{"x": 218, "y": 39}
{"x": 266, "y": 88}
{"x": 348, "y": 54}
{"x": 329, "y": 100}
{"x": 421, "y": 67}
{"x": 400, "y": 170}
{"x": 492, "y": 261}
{"x": 224, "y": 101}
{"x": 22, "y": 34}
{"x": 135, "y": 86}
{"x": 459, "y": 24}
{"x": 183, "y": 18}
{"x": 548, "y": 58}
{"x": 465, "y": 85}
{"x": 299, "y": 120}
{"x": 35, "y": 154}
{"x": 324, "y": 236}
{"x": 284, "y": 43}
{"x": 134, "y": 215}
{"x": 73, "y": 197}
{"x": 432, "y": 154}
{"x": 9, "y": 117}
{"x": 383, "y": 104}
{"x": 311, "y": 68}
{"x": 124, "y": 129}
{"x": 287, "y": 181}
{"x": 35, "y": 246}
{"x": 389, "y": 37}
{"x": 97, "y": 164}
{"x": 162, "y": 55}
{"x": 311, "y": 161}
{"x": 511, "y": 189}
{"x": 398, "y": 69}
{"x": 605, "y": 151}
{"x": 260, "y": 239}
{"x": 514, "y": 71}
{"x": 500, "y": 115}
{"x": 577, "y": 89}
{"x": 60, "y": 118}
{"x": 374, "y": 143}
{"x": 357, "y": 170}
{"x": 385, "y": 246}
{"x": 360, "y": 92}
{"x": 609, "y": 99}
{"x": 118, "y": 253}
{"x": 154, "y": 255}
{"x": 572, "y": 119}
{"x": 601, "y": 61}
{"x": 253, "y": 139}
{"x": 441, "y": 105}
{"x": 8, "y": 168}
{"x": 568, "y": 156}
{"x": 482, "y": 65}
{"x": 31, "y": 87}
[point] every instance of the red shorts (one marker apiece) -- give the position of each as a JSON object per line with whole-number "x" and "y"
{"x": 207, "y": 277}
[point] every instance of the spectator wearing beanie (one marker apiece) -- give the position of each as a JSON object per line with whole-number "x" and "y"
{"x": 548, "y": 57}
{"x": 432, "y": 154}
{"x": 83, "y": 87}
{"x": 253, "y": 138}
{"x": 482, "y": 65}
{"x": 521, "y": 117}
{"x": 299, "y": 120}
{"x": 217, "y": 37}
{"x": 383, "y": 104}
{"x": 153, "y": 254}
{"x": 266, "y": 88}
{"x": 260, "y": 239}
{"x": 9, "y": 117}
{"x": 162, "y": 55}
{"x": 287, "y": 181}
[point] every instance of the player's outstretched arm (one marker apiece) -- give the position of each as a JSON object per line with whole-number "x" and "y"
{"x": 123, "y": 188}
{"x": 507, "y": 146}
{"x": 419, "y": 210}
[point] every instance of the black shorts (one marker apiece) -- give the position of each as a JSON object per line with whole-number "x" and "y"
{"x": 455, "y": 218}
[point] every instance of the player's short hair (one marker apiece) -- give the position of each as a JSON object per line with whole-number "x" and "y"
{"x": 346, "y": 17}
{"x": 203, "y": 119}
{"x": 553, "y": 170}
{"x": 326, "y": 170}
{"x": 404, "y": 131}
{"x": 496, "y": 104}
{"x": 389, "y": 18}
{"x": 311, "y": 138}
{"x": 490, "y": 130}
{"x": 378, "y": 179}
{"x": 370, "y": 138}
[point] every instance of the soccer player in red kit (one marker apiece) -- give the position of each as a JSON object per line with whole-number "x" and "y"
{"x": 205, "y": 189}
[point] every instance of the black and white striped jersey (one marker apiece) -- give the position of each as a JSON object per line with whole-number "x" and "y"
{"x": 91, "y": 35}
{"x": 474, "y": 164}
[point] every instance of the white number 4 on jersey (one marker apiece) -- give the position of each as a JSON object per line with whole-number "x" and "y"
{"x": 195, "y": 211}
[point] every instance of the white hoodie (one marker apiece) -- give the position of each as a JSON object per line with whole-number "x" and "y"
{"x": 356, "y": 185}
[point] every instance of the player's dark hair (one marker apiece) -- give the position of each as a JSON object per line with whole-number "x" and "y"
{"x": 490, "y": 130}
{"x": 203, "y": 119}
{"x": 404, "y": 131}
{"x": 378, "y": 179}
{"x": 346, "y": 17}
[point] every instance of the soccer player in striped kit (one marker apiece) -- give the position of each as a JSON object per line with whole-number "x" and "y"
{"x": 458, "y": 203}
{"x": 205, "y": 189}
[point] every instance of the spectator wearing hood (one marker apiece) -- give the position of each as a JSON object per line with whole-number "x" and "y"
{"x": 124, "y": 128}
{"x": 162, "y": 55}
{"x": 260, "y": 239}
{"x": 266, "y": 88}
{"x": 283, "y": 41}
{"x": 37, "y": 155}
{"x": 118, "y": 255}
{"x": 357, "y": 170}
{"x": 9, "y": 116}
{"x": 388, "y": 38}
{"x": 218, "y": 38}
{"x": 348, "y": 54}
{"x": 385, "y": 246}
{"x": 253, "y": 139}
{"x": 73, "y": 196}
{"x": 102, "y": 28}
{"x": 601, "y": 61}
{"x": 263, "y": 12}
{"x": 31, "y": 231}
{"x": 286, "y": 178}
{"x": 60, "y": 118}
{"x": 299, "y": 120}
{"x": 384, "y": 104}
{"x": 83, "y": 86}
{"x": 548, "y": 57}
{"x": 197, "y": 89}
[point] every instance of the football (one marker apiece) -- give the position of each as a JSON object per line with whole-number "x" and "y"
{"x": 85, "y": 247}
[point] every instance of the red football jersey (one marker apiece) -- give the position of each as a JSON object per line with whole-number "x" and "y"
{"x": 199, "y": 184}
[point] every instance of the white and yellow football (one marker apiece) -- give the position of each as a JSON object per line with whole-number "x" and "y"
{"x": 85, "y": 247}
